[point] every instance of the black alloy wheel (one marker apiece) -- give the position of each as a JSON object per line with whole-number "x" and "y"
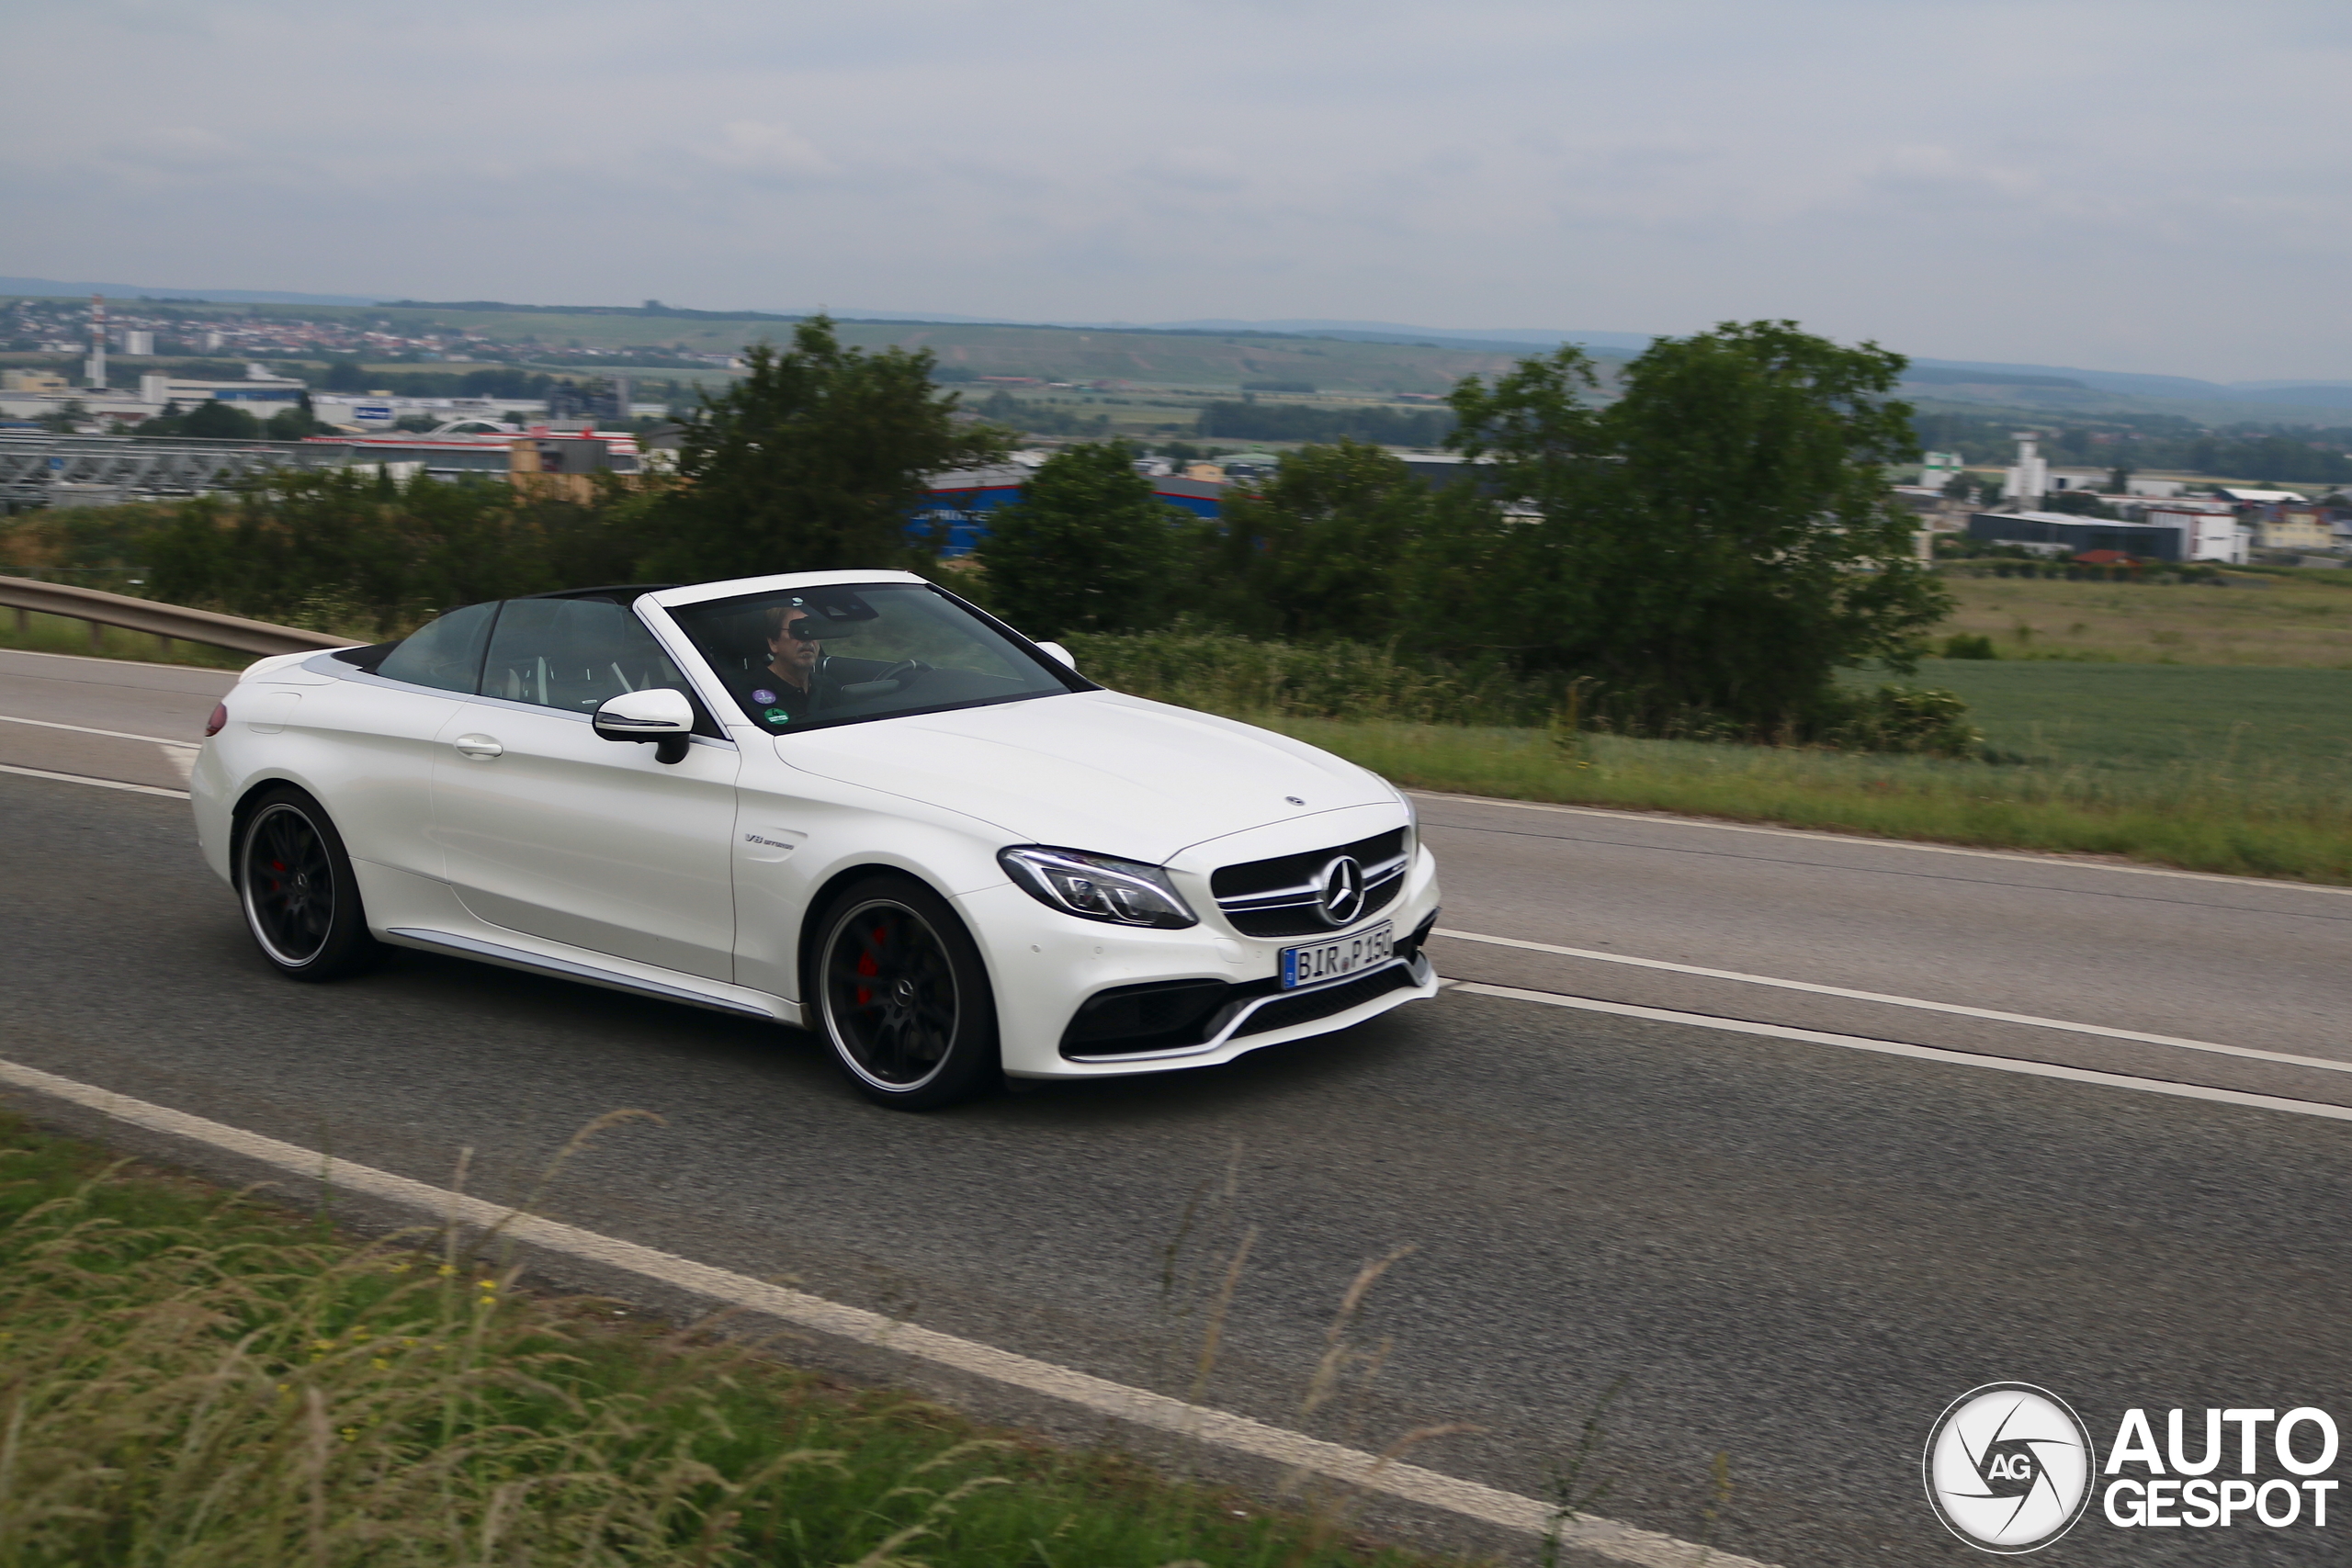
{"x": 295, "y": 882}
{"x": 904, "y": 998}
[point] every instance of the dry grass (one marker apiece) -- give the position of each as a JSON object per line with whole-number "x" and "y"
{"x": 2280, "y": 620}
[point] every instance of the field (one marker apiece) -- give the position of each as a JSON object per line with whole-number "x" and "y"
{"x": 1219, "y": 361}
{"x": 2303, "y": 619}
{"x": 2212, "y": 767}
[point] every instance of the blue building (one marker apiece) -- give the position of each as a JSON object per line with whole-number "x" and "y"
{"x": 960, "y": 502}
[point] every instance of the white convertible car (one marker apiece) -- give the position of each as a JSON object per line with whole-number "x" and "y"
{"x": 848, "y": 801}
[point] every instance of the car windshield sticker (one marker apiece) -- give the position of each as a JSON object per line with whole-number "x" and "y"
{"x": 764, "y": 696}
{"x": 776, "y": 715}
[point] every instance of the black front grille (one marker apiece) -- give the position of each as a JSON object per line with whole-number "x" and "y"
{"x": 1308, "y": 1006}
{"x": 1276, "y": 897}
{"x": 1162, "y": 1016}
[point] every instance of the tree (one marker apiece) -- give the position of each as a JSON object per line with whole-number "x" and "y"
{"x": 1088, "y": 548}
{"x": 1718, "y": 542}
{"x": 1316, "y": 552}
{"x": 212, "y": 419}
{"x": 812, "y": 462}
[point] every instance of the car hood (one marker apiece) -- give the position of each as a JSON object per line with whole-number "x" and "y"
{"x": 1091, "y": 771}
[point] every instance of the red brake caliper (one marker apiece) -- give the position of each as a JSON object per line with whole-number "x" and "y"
{"x": 867, "y": 967}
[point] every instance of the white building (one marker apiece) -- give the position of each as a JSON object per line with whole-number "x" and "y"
{"x": 1938, "y": 469}
{"x": 2208, "y": 532}
{"x": 2027, "y": 479}
{"x": 137, "y": 344}
{"x": 260, "y": 394}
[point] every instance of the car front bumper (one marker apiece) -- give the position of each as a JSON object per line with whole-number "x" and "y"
{"x": 1045, "y": 966}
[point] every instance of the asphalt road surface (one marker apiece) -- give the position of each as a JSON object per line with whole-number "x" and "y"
{"x": 1776, "y": 1249}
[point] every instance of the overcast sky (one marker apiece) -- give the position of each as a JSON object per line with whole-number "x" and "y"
{"x": 2135, "y": 186}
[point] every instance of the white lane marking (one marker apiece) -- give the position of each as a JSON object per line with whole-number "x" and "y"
{"x": 1623, "y": 1543}
{"x": 2056, "y": 863}
{"x": 110, "y": 734}
{"x": 101, "y": 784}
{"x": 2324, "y": 1063}
{"x": 1922, "y": 1053}
{"x": 181, "y": 758}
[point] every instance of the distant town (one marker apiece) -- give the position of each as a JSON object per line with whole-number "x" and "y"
{"x": 107, "y": 400}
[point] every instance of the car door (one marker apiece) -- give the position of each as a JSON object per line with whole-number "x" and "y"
{"x": 550, "y": 829}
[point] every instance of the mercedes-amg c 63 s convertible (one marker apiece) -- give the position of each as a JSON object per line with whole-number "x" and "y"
{"x": 845, "y": 800}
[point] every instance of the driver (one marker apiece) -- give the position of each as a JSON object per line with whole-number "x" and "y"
{"x": 785, "y": 690}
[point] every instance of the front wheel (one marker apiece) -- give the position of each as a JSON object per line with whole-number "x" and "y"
{"x": 301, "y": 900}
{"x": 903, "y": 998}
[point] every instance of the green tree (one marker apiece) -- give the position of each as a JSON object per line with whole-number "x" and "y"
{"x": 812, "y": 462}
{"x": 1716, "y": 543}
{"x": 1316, "y": 553}
{"x": 1088, "y": 548}
{"x": 212, "y": 419}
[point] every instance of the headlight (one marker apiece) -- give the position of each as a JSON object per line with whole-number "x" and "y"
{"x": 1097, "y": 887}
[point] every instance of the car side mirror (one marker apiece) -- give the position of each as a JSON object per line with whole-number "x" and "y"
{"x": 658, "y": 714}
{"x": 1059, "y": 651}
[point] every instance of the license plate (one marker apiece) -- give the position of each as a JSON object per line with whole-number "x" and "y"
{"x": 1336, "y": 960}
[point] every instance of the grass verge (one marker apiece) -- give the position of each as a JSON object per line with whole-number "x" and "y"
{"x": 36, "y": 633}
{"x": 2274, "y": 822}
{"x": 190, "y": 1378}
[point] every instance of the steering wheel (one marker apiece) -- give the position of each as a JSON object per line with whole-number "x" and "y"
{"x": 896, "y": 678}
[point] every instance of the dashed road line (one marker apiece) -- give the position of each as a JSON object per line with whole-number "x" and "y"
{"x": 1918, "y": 1052}
{"x": 2324, "y": 1063}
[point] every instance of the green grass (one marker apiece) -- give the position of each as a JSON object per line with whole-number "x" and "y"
{"x": 61, "y": 634}
{"x": 2226, "y": 768}
{"x": 190, "y": 1380}
{"x": 2242, "y": 720}
{"x": 2267, "y": 819}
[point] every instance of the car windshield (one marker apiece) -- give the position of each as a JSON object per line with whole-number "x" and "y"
{"x": 810, "y": 657}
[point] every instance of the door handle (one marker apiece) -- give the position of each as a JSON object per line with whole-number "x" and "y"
{"x": 480, "y": 748}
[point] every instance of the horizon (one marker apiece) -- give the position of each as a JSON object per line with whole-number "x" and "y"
{"x": 1531, "y": 339}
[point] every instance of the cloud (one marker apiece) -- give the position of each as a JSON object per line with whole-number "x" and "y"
{"x": 2064, "y": 180}
{"x": 768, "y": 147}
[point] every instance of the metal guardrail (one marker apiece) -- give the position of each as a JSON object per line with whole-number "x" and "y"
{"x": 28, "y": 596}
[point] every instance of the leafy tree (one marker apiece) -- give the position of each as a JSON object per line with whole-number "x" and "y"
{"x": 1715, "y": 544}
{"x": 212, "y": 419}
{"x": 1088, "y": 548}
{"x": 812, "y": 462}
{"x": 1316, "y": 552}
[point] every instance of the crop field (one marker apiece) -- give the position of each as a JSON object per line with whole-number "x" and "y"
{"x": 2304, "y": 619}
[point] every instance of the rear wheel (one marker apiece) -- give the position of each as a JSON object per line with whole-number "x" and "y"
{"x": 301, "y": 900}
{"x": 903, "y": 998}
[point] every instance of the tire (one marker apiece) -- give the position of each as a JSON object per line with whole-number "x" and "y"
{"x": 903, "y": 997}
{"x": 295, "y": 885}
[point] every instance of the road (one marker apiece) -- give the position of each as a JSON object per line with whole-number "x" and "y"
{"x": 1791, "y": 1252}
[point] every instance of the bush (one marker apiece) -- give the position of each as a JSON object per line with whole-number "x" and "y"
{"x": 1962, "y": 645}
{"x": 1925, "y": 720}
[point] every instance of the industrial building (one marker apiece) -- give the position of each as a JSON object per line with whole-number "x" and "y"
{"x": 2162, "y": 535}
{"x": 958, "y": 503}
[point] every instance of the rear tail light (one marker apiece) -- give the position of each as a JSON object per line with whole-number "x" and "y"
{"x": 218, "y": 722}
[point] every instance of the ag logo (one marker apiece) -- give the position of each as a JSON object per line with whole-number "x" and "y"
{"x": 2009, "y": 1468}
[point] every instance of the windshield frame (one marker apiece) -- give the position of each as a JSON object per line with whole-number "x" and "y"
{"x": 1068, "y": 680}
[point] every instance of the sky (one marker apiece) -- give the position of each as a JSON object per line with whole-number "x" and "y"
{"x": 2143, "y": 186}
